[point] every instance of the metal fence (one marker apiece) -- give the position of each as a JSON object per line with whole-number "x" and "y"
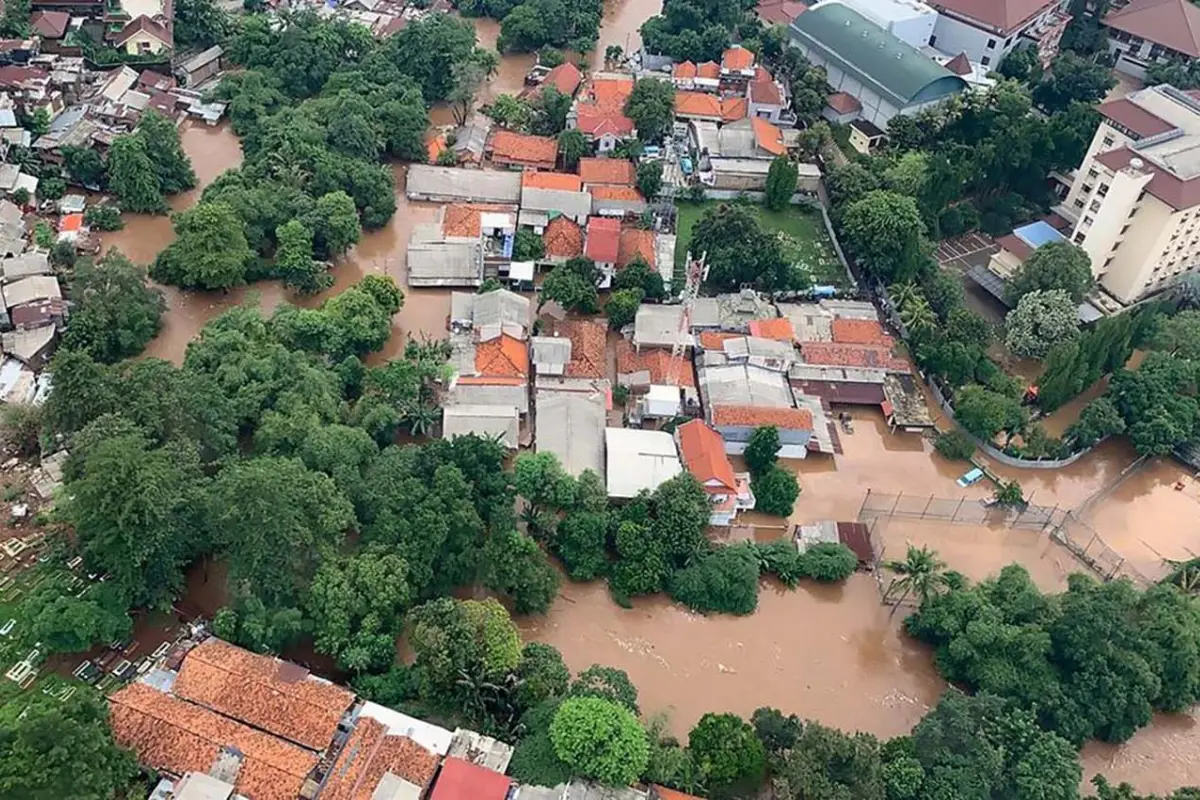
{"x": 958, "y": 510}
{"x": 1085, "y": 543}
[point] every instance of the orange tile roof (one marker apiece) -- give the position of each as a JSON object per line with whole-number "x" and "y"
{"x": 851, "y": 355}
{"x": 761, "y": 73}
{"x": 509, "y": 147}
{"x": 563, "y": 181}
{"x": 860, "y": 331}
{"x": 734, "y": 108}
{"x": 463, "y": 219}
{"x": 659, "y": 363}
{"x": 70, "y": 222}
{"x": 697, "y": 104}
{"x": 589, "y": 348}
{"x": 616, "y": 171}
{"x": 757, "y": 416}
{"x": 737, "y": 58}
{"x": 368, "y": 755}
{"x": 663, "y": 793}
{"x": 566, "y": 78}
{"x": 780, "y": 329}
{"x": 715, "y": 340}
{"x": 703, "y": 452}
{"x": 596, "y": 121}
{"x": 462, "y": 780}
{"x": 768, "y": 137}
{"x": 603, "y": 239}
{"x": 615, "y": 193}
{"x": 684, "y": 70}
{"x": 635, "y": 243}
{"x": 610, "y": 93}
{"x": 277, "y": 696}
{"x": 563, "y": 238}
{"x": 502, "y": 357}
{"x": 434, "y": 147}
{"x": 709, "y": 69}
{"x": 765, "y": 91}
{"x": 173, "y": 735}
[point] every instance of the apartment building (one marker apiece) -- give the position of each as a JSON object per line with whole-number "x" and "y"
{"x": 988, "y": 30}
{"x": 1148, "y": 31}
{"x": 1134, "y": 203}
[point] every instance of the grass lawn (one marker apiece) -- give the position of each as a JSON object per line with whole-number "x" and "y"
{"x": 812, "y": 246}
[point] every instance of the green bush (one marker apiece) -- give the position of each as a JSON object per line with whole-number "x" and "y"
{"x": 775, "y": 491}
{"x": 829, "y": 562}
{"x": 724, "y": 581}
{"x": 955, "y": 445}
{"x": 600, "y": 740}
{"x": 782, "y": 559}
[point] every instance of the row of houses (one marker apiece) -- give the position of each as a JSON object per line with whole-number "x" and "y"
{"x": 217, "y": 722}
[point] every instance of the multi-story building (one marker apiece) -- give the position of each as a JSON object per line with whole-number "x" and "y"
{"x": 988, "y": 30}
{"x": 1134, "y": 203}
{"x": 1148, "y": 31}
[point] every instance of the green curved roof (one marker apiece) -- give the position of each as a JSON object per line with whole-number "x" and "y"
{"x": 848, "y": 39}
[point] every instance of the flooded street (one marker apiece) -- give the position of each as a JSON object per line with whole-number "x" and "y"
{"x": 621, "y": 26}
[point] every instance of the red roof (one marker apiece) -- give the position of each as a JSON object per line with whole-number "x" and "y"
{"x": 368, "y": 755}
{"x": 851, "y": 355}
{"x": 50, "y": 24}
{"x": 635, "y": 243}
{"x": 563, "y": 238}
{"x": 709, "y": 69}
{"x": 70, "y": 222}
{"x": 589, "y": 350}
{"x": 960, "y": 64}
{"x": 551, "y": 180}
{"x": 1172, "y": 190}
{"x": 1013, "y": 244}
{"x": 603, "y": 240}
{"x": 768, "y": 137}
{"x": 566, "y": 78}
{"x": 1003, "y": 15}
{"x": 684, "y": 70}
{"x": 148, "y": 26}
{"x": 780, "y": 12}
{"x": 595, "y": 121}
{"x": 520, "y": 149}
{"x": 1130, "y": 115}
{"x": 734, "y": 108}
{"x": 765, "y": 91}
{"x": 1170, "y": 23}
{"x": 658, "y": 363}
{"x": 780, "y": 329}
{"x": 502, "y": 357}
{"x": 703, "y": 452}
{"x": 697, "y": 104}
{"x": 860, "y": 331}
{"x": 617, "y": 171}
{"x": 462, "y": 780}
{"x": 843, "y": 103}
{"x": 626, "y": 193}
{"x": 757, "y": 416}
{"x": 663, "y": 793}
{"x": 715, "y": 340}
{"x": 737, "y": 58}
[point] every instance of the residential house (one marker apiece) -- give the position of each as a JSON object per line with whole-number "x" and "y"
{"x": 599, "y": 113}
{"x": 698, "y": 106}
{"x": 202, "y": 67}
{"x": 737, "y": 69}
{"x": 607, "y": 172}
{"x": 145, "y": 36}
{"x": 661, "y": 326}
{"x": 569, "y": 421}
{"x": 841, "y": 107}
{"x": 34, "y": 301}
{"x": 988, "y": 30}
{"x": 704, "y": 77}
{"x": 616, "y": 201}
{"x": 520, "y": 151}
{"x": 638, "y": 460}
{"x": 550, "y": 354}
{"x": 490, "y": 314}
{"x": 730, "y": 312}
{"x": 456, "y": 185}
{"x": 442, "y": 256}
{"x": 547, "y": 195}
{"x": 470, "y": 140}
{"x": 886, "y": 76}
{"x": 1147, "y": 31}
{"x": 768, "y": 101}
{"x": 779, "y": 12}
{"x": 489, "y": 421}
{"x": 737, "y": 423}
{"x": 603, "y": 244}
{"x": 24, "y": 265}
{"x": 865, "y": 136}
{"x": 588, "y": 348}
{"x": 563, "y": 240}
{"x": 50, "y": 25}
{"x": 460, "y": 779}
{"x": 31, "y": 346}
{"x": 565, "y": 78}
{"x": 636, "y": 245}
{"x": 651, "y": 367}
{"x": 703, "y": 453}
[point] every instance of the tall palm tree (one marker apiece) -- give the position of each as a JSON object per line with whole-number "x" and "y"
{"x": 921, "y": 573}
{"x": 421, "y": 418}
{"x": 1185, "y": 575}
{"x": 904, "y": 293}
{"x": 917, "y": 315}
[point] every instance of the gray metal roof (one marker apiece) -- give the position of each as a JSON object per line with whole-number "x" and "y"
{"x": 570, "y": 424}
{"x": 639, "y": 459}
{"x": 743, "y": 347}
{"x": 736, "y": 140}
{"x": 490, "y": 421}
{"x": 730, "y": 311}
{"x": 550, "y": 350}
{"x": 481, "y": 394}
{"x": 24, "y": 265}
{"x": 26, "y": 290}
{"x": 875, "y": 57}
{"x": 659, "y": 326}
{"x": 448, "y": 263}
{"x": 496, "y": 308}
{"x": 576, "y": 205}
{"x": 451, "y": 184}
{"x": 744, "y": 385}
{"x": 203, "y": 59}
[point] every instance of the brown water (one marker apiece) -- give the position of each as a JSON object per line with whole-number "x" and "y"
{"x": 621, "y": 26}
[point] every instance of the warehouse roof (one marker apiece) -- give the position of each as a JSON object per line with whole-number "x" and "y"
{"x": 426, "y": 182}
{"x": 639, "y": 459}
{"x": 570, "y": 424}
{"x": 486, "y": 421}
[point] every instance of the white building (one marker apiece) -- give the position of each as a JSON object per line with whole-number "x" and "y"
{"x": 910, "y": 21}
{"x": 988, "y": 30}
{"x": 1134, "y": 203}
{"x": 1148, "y": 31}
{"x": 639, "y": 459}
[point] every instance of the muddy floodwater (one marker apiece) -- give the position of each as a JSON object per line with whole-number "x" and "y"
{"x": 829, "y": 653}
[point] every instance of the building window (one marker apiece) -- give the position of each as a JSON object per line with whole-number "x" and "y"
{"x": 1157, "y": 51}
{"x": 1116, "y": 247}
{"x": 1008, "y": 42}
{"x": 1079, "y": 238}
{"x": 1095, "y": 206}
{"x": 1108, "y": 141}
{"x": 932, "y": 41}
{"x": 1092, "y": 173}
{"x": 985, "y": 61}
{"x": 991, "y": 45}
{"x": 1123, "y": 230}
{"x": 1079, "y": 203}
{"x": 1132, "y": 212}
{"x": 1102, "y": 190}
{"x": 1087, "y": 220}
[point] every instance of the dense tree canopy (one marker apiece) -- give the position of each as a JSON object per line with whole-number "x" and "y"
{"x": 115, "y": 312}
{"x": 600, "y": 739}
{"x": 1057, "y": 265}
{"x": 740, "y": 252}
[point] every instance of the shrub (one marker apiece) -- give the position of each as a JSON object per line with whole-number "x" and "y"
{"x": 829, "y": 562}
{"x": 601, "y": 740}
{"x": 955, "y": 445}
{"x": 776, "y": 491}
{"x": 782, "y": 559}
{"x": 725, "y": 581}
{"x": 103, "y": 217}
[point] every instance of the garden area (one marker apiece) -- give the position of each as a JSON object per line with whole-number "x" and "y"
{"x": 804, "y": 243}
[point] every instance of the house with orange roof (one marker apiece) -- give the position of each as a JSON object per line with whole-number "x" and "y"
{"x": 739, "y": 397}
{"x": 607, "y": 172}
{"x": 616, "y": 201}
{"x": 603, "y": 243}
{"x": 768, "y": 137}
{"x": 768, "y": 100}
{"x": 697, "y": 77}
{"x": 599, "y": 113}
{"x": 635, "y": 244}
{"x": 734, "y": 108}
{"x": 780, "y": 329}
{"x": 737, "y": 68}
{"x": 565, "y": 78}
{"x": 522, "y": 151}
{"x": 703, "y": 453}
{"x": 698, "y": 106}
{"x": 563, "y": 240}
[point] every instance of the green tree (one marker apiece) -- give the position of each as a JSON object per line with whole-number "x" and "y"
{"x": 828, "y": 562}
{"x": 115, "y": 312}
{"x": 607, "y": 683}
{"x": 986, "y": 413}
{"x": 335, "y": 224}
{"x": 543, "y": 673}
{"x": 885, "y": 231}
{"x": 1097, "y": 420}
{"x": 84, "y": 165}
{"x": 921, "y": 573}
{"x": 762, "y": 451}
{"x": 517, "y": 567}
{"x": 580, "y": 542}
{"x": 728, "y": 752}
{"x": 573, "y": 286}
{"x": 453, "y": 638}
{"x": 201, "y": 23}
{"x": 777, "y": 732}
{"x": 650, "y": 179}
{"x": 739, "y": 251}
{"x": 294, "y": 259}
{"x": 651, "y": 106}
{"x": 572, "y": 146}
{"x": 724, "y": 581}
{"x": 622, "y": 307}
{"x": 131, "y": 176}
{"x": 781, "y": 183}
{"x": 828, "y": 763}
{"x": 600, "y": 740}
{"x": 56, "y": 749}
{"x": 776, "y": 491}
{"x": 640, "y": 275}
{"x": 1040, "y": 319}
{"x": 955, "y": 445}
{"x": 528, "y": 246}
{"x": 171, "y": 166}
{"x": 1057, "y": 265}
{"x": 1072, "y": 79}
{"x": 209, "y": 250}
{"x": 21, "y": 427}
{"x": 65, "y": 623}
{"x": 429, "y": 48}
{"x": 544, "y": 485}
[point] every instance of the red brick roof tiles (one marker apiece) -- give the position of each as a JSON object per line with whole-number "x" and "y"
{"x": 502, "y": 357}
{"x": 520, "y": 149}
{"x": 595, "y": 121}
{"x": 709, "y": 69}
{"x": 589, "y": 348}
{"x": 563, "y": 238}
{"x": 173, "y": 735}
{"x": 851, "y": 355}
{"x": 757, "y": 416}
{"x": 625, "y": 193}
{"x": 715, "y": 340}
{"x": 563, "y": 181}
{"x": 765, "y": 91}
{"x": 860, "y": 331}
{"x": 1171, "y": 23}
{"x": 635, "y": 244}
{"x": 611, "y": 171}
{"x": 603, "y": 239}
{"x": 843, "y": 103}
{"x": 768, "y": 137}
{"x": 703, "y": 452}
{"x": 658, "y": 363}
{"x": 368, "y": 755}
{"x": 780, "y": 329}
{"x": 697, "y": 104}
{"x": 684, "y": 70}
{"x": 1129, "y": 114}
{"x": 566, "y": 78}
{"x": 463, "y": 220}
{"x": 734, "y": 108}
{"x": 737, "y": 58}
{"x": 274, "y": 695}
{"x": 462, "y": 780}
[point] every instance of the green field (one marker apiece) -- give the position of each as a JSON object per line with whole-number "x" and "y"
{"x": 804, "y": 226}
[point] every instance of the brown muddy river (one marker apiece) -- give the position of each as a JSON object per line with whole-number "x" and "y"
{"x": 828, "y": 653}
